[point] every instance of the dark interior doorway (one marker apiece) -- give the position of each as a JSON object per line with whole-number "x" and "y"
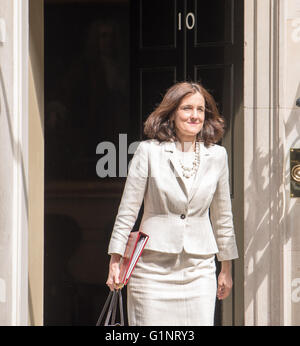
{"x": 107, "y": 64}
{"x": 87, "y": 96}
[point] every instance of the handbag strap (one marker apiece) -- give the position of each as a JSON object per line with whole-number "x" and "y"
{"x": 121, "y": 308}
{"x": 112, "y": 300}
{"x": 112, "y": 311}
{"x": 111, "y": 307}
{"x": 104, "y": 308}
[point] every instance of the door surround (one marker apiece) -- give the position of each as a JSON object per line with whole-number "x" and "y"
{"x": 232, "y": 312}
{"x": 266, "y": 291}
{"x": 36, "y": 163}
{"x": 261, "y": 31}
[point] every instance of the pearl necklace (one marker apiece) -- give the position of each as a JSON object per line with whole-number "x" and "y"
{"x": 189, "y": 171}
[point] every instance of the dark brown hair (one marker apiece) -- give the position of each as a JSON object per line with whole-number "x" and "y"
{"x": 159, "y": 126}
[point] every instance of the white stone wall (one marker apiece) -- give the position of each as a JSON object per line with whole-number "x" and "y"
{"x": 13, "y": 162}
{"x": 262, "y": 166}
{"x": 271, "y": 128}
{"x": 6, "y": 166}
{"x": 291, "y": 120}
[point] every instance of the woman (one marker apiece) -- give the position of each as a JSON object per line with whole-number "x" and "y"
{"x": 181, "y": 174}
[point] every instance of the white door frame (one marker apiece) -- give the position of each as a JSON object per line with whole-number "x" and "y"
{"x": 19, "y": 133}
{"x": 265, "y": 266}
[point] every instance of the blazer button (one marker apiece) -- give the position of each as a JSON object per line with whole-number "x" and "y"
{"x": 182, "y": 216}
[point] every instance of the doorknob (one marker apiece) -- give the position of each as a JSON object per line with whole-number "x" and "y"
{"x": 295, "y": 172}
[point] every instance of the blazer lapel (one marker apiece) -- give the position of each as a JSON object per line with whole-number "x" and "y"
{"x": 171, "y": 149}
{"x": 204, "y": 154}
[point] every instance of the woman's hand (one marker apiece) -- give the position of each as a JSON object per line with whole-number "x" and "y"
{"x": 114, "y": 272}
{"x": 224, "y": 281}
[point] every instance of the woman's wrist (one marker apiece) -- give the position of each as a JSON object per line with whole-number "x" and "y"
{"x": 115, "y": 258}
{"x": 226, "y": 267}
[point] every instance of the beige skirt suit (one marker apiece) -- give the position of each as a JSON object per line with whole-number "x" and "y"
{"x": 174, "y": 282}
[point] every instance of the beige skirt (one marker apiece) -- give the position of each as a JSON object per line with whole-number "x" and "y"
{"x": 172, "y": 290}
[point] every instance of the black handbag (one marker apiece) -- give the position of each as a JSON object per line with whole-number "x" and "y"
{"x": 112, "y": 301}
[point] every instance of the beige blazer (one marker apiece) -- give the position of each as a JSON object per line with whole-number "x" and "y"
{"x": 174, "y": 218}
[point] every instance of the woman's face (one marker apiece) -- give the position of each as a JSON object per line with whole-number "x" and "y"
{"x": 189, "y": 116}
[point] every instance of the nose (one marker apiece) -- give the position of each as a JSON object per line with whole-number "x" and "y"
{"x": 194, "y": 114}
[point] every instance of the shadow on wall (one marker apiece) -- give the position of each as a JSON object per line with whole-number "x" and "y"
{"x": 16, "y": 147}
{"x": 264, "y": 247}
{"x": 18, "y": 159}
{"x": 292, "y": 135}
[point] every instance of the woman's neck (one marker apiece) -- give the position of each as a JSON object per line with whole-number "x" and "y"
{"x": 186, "y": 144}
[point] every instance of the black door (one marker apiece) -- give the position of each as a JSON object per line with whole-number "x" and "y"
{"x": 177, "y": 40}
{"x": 157, "y": 53}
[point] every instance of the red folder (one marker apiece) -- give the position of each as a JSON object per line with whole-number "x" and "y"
{"x": 134, "y": 248}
